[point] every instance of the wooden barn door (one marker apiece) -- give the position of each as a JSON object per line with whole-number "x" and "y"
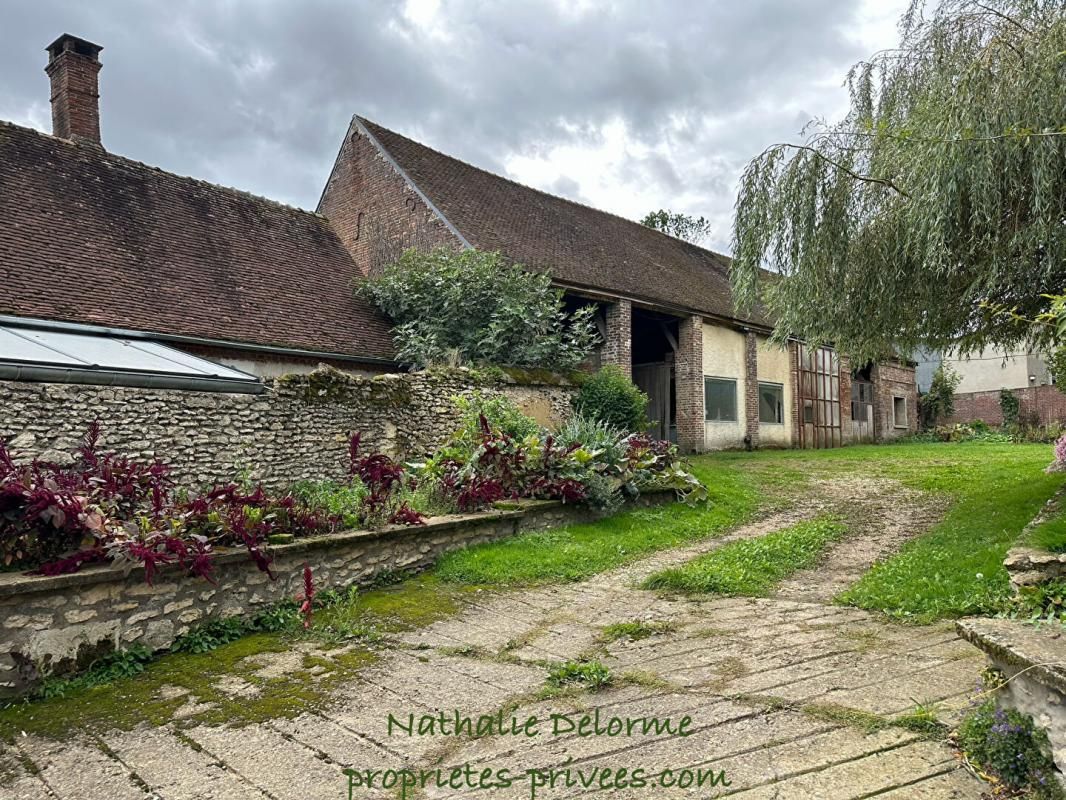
{"x": 819, "y": 397}
{"x": 862, "y": 409}
{"x": 654, "y": 380}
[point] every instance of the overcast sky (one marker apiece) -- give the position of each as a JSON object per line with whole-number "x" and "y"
{"x": 626, "y": 106}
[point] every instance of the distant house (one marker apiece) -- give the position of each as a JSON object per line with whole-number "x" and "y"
{"x": 103, "y": 248}
{"x": 984, "y": 376}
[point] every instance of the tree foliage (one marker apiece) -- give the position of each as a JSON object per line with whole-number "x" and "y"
{"x": 681, "y": 226}
{"x": 938, "y": 201}
{"x": 939, "y": 402}
{"x": 470, "y": 307}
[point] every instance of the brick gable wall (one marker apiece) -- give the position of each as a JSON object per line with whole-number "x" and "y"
{"x": 890, "y": 381}
{"x": 376, "y": 214}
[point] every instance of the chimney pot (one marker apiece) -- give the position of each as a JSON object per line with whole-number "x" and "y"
{"x": 73, "y": 65}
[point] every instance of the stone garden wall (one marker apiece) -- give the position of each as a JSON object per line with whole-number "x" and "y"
{"x": 298, "y": 428}
{"x": 1030, "y": 658}
{"x": 51, "y": 624}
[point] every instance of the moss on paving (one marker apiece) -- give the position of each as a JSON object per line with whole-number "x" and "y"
{"x": 921, "y": 719}
{"x": 170, "y": 682}
{"x": 174, "y": 679}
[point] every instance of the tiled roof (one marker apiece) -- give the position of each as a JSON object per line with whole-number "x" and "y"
{"x": 580, "y": 246}
{"x": 90, "y": 237}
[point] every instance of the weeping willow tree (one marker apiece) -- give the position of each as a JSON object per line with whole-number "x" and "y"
{"x": 935, "y": 212}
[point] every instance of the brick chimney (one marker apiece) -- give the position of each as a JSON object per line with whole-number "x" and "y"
{"x": 73, "y": 65}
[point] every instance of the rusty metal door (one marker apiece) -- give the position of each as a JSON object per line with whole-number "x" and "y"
{"x": 819, "y": 397}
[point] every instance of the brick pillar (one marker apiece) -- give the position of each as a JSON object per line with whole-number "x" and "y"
{"x": 846, "y": 429}
{"x": 793, "y": 371}
{"x": 618, "y": 342}
{"x": 688, "y": 375}
{"x": 879, "y": 403}
{"x": 751, "y": 389}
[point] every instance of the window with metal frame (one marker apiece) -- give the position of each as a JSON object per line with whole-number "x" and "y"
{"x": 720, "y": 399}
{"x": 899, "y": 412}
{"x": 772, "y": 403}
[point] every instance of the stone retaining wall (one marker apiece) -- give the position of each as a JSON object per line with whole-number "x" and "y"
{"x": 1028, "y": 566}
{"x": 51, "y": 624}
{"x": 1033, "y": 662}
{"x": 298, "y": 428}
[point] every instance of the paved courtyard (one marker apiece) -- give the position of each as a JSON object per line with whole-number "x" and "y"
{"x": 774, "y": 688}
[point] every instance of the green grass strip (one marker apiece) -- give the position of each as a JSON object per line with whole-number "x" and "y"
{"x": 1050, "y": 534}
{"x": 752, "y": 567}
{"x": 576, "y": 552}
{"x": 956, "y": 569}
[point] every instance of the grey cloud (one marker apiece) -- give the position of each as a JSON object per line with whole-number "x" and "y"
{"x": 258, "y": 93}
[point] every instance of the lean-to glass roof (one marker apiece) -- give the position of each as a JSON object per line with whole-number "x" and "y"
{"x": 34, "y": 352}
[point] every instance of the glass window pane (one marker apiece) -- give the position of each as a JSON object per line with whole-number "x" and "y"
{"x": 771, "y": 403}
{"x": 720, "y": 399}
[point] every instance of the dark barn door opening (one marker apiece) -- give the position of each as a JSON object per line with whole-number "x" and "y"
{"x": 819, "y": 397}
{"x": 654, "y": 350}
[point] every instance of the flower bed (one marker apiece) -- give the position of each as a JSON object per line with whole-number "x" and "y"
{"x": 53, "y": 623}
{"x": 120, "y": 527}
{"x": 104, "y": 507}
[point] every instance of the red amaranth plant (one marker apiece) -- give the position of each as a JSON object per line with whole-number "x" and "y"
{"x": 307, "y": 599}
{"x": 383, "y": 479}
{"x": 106, "y": 507}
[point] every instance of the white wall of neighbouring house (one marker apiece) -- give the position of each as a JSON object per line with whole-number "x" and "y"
{"x": 773, "y": 367}
{"x": 991, "y": 370}
{"x": 723, "y": 357}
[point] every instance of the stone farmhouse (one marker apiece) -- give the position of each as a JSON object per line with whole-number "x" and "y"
{"x": 118, "y": 273}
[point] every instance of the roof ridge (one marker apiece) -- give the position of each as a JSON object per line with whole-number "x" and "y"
{"x": 97, "y": 150}
{"x": 441, "y": 153}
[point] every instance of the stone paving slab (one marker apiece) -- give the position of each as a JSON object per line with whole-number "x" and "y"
{"x": 742, "y": 668}
{"x": 173, "y": 770}
{"x": 863, "y": 777}
{"x": 80, "y": 768}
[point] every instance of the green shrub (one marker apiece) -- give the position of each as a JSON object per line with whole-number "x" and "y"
{"x": 502, "y": 414}
{"x": 610, "y": 397}
{"x": 342, "y": 500}
{"x": 470, "y": 307}
{"x": 939, "y": 401}
{"x": 1008, "y": 745}
{"x": 1010, "y": 406}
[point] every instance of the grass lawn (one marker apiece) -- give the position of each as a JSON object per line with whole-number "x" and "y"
{"x": 993, "y": 491}
{"x": 1051, "y": 533}
{"x": 580, "y": 551}
{"x": 752, "y": 567}
{"x": 956, "y": 568}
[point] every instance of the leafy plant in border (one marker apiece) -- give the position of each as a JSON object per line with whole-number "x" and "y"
{"x": 1007, "y": 744}
{"x": 383, "y": 479}
{"x": 612, "y": 398}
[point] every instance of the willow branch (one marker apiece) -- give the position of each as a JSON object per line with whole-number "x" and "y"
{"x": 836, "y": 164}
